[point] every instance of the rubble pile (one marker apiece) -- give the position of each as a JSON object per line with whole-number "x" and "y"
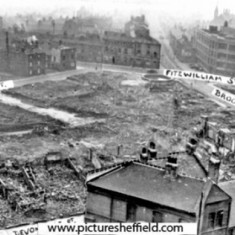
{"x": 30, "y": 189}
{"x": 47, "y": 187}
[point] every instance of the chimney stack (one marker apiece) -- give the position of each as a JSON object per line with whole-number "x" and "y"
{"x": 171, "y": 166}
{"x": 213, "y": 168}
{"x": 144, "y": 155}
{"x": 152, "y": 151}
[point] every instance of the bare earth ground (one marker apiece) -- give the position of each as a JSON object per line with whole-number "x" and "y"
{"x": 134, "y": 114}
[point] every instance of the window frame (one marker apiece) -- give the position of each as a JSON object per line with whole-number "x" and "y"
{"x": 215, "y": 219}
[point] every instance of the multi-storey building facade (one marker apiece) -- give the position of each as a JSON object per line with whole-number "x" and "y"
{"x": 29, "y": 62}
{"x": 133, "y": 47}
{"x": 215, "y": 50}
{"x": 120, "y": 48}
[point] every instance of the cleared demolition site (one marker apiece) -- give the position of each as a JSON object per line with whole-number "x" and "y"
{"x": 43, "y": 171}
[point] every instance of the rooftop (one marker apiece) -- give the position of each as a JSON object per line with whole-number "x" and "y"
{"x": 224, "y": 33}
{"x": 150, "y": 184}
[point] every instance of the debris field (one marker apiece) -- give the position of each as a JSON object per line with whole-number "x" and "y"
{"x": 42, "y": 173}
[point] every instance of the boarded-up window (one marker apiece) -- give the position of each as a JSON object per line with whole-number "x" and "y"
{"x": 98, "y": 204}
{"x": 119, "y": 210}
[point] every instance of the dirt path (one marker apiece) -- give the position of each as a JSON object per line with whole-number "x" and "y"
{"x": 69, "y": 118}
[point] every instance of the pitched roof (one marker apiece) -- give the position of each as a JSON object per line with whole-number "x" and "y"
{"x": 150, "y": 184}
{"x": 229, "y": 188}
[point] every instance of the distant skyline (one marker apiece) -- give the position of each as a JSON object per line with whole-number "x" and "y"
{"x": 203, "y": 9}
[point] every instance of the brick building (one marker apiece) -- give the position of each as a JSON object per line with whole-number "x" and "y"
{"x": 134, "y": 46}
{"x": 101, "y": 46}
{"x": 140, "y": 191}
{"x": 22, "y": 59}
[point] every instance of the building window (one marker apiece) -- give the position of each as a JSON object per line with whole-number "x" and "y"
{"x": 30, "y": 72}
{"x": 219, "y": 218}
{"x": 30, "y": 64}
{"x": 125, "y": 50}
{"x": 131, "y": 212}
{"x": 211, "y": 220}
{"x": 232, "y": 47}
{"x": 215, "y": 219}
{"x": 222, "y": 46}
{"x": 157, "y": 217}
{"x": 221, "y": 56}
{"x": 39, "y": 71}
{"x": 63, "y": 57}
{"x": 39, "y": 62}
{"x": 155, "y": 54}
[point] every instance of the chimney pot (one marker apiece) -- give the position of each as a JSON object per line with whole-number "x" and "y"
{"x": 144, "y": 155}
{"x": 152, "y": 152}
{"x": 171, "y": 166}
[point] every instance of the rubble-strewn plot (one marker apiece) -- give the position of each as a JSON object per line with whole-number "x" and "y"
{"x": 131, "y": 112}
{"x": 57, "y": 191}
{"x": 134, "y": 112}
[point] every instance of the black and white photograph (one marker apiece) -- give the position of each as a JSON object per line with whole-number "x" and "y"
{"x": 116, "y": 117}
